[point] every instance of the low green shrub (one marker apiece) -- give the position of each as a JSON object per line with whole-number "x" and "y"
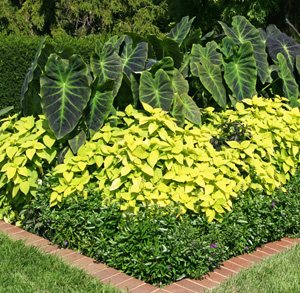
{"x": 156, "y": 245}
{"x": 147, "y": 159}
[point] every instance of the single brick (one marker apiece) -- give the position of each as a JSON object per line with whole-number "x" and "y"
{"x": 215, "y": 277}
{"x": 187, "y": 283}
{"x": 131, "y": 284}
{"x": 95, "y": 268}
{"x": 206, "y": 283}
{"x": 117, "y": 279}
{"x": 174, "y": 288}
{"x": 84, "y": 262}
{"x": 250, "y": 257}
{"x": 73, "y": 257}
{"x": 145, "y": 288}
{"x": 224, "y": 272}
{"x": 12, "y": 230}
{"x": 270, "y": 251}
{"x": 231, "y": 266}
{"x": 260, "y": 254}
{"x": 240, "y": 262}
{"x": 106, "y": 273}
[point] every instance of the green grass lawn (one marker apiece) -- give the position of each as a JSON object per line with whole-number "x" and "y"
{"x": 26, "y": 269}
{"x": 279, "y": 273}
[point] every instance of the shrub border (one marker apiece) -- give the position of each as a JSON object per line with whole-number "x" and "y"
{"x": 122, "y": 281}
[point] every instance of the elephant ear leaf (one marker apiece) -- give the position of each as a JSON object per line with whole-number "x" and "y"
{"x": 211, "y": 77}
{"x": 190, "y": 109}
{"x": 209, "y": 52}
{"x": 133, "y": 59}
{"x": 157, "y": 91}
{"x": 282, "y": 43}
{"x": 76, "y": 142}
{"x": 30, "y": 101}
{"x": 166, "y": 48}
{"x": 180, "y": 84}
{"x": 298, "y": 63}
{"x": 177, "y": 110}
{"x": 107, "y": 64}
{"x": 100, "y": 104}
{"x": 240, "y": 73}
{"x": 243, "y": 31}
{"x": 290, "y": 87}
{"x": 65, "y": 91}
{"x": 293, "y": 31}
{"x": 181, "y": 30}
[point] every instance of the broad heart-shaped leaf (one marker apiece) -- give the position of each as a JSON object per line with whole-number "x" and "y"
{"x": 282, "y": 43}
{"x": 157, "y": 92}
{"x": 177, "y": 110}
{"x": 191, "y": 39}
{"x": 181, "y": 30}
{"x": 100, "y": 104}
{"x": 125, "y": 95}
{"x": 209, "y": 52}
{"x": 290, "y": 87}
{"x": 76, "y": 142}
{"x": 241, "y": 74}
{"x": 133, "y": 59}
{"x": 166, "y": 64}
{"x": 107, "y": 64}
{"x": 211, "y": 77}
{"x": 65, "y": 91}
{"x": 179, "y": 83}
{"x": 229, "y": 47}
{"x": 293, "y": 30}
{"x": 30, "y": 102}
{"x": 243, "y": 31}
{"x": 166, "y": 47}
{"x": 298, "y": 63}
{"x": 6, "y": 110}
{"x": 184, "y": 68}
{"x": 116, "y": 42}
{"x": 135, "y": 87}
{"x": 190, "y": 110}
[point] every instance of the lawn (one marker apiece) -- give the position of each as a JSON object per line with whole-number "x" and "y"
{"x": 280, "y": 273}
{"x": 26, "y": 269}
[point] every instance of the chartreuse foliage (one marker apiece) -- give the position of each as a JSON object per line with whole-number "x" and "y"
{"x": 150, "y": 160}
{"x": 26, "y": 151}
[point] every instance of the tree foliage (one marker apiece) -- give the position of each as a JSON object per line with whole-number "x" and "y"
{"x": 81, "y": 17}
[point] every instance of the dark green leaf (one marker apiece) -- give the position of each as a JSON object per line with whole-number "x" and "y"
{"x": 290, "y": 87}
{"x": 211, "y": 77}
{"x": 166, "y": 64}
{"x": 157, "y": 92}
{"x": 209, "y": 52}
{"x": 100, "y": 104}
{"x": 282, "y": 43}
{"x": 135, "y": 85}
{"x": 190, "y": 110}
{"x": 133, "y": 59}
{"x": 181, "y": 30}
{"x": 177, "y": 110}
{"x": 65, "y": 92}
{"x": 184, "y": 68}
{"x": 180, "y": 84}
{"x": 240, "y": 73}
{"x": 166, "y": 47}
{"x": 298, "y": 63}
{"x": 76, "y": 142}
{"x": 192, "y": 38}
{"x": 293, "y": 30}
{"x": 243, "y": 31}
{"x": 125, "y": 95}
{"x": 116, "y": 42}
{"x": 229, "y": 47}
{"x": 106, "y": 63}
{"x": 30, "y": 100}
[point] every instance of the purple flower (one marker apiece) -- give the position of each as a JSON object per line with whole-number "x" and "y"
{"x": 209, "y": 259}
{"x": 48, "y": 221}
{"x": 247, "y": 247}
{"x": 213, "y": 245}
{"x": 273, "y": 203}
{"x": 192, "y": 245}
{"x": 214, "y": 252}
{"x": 168, "y": 267}
{"x": 194, "y": 240}
{"x": 66, "y": 242}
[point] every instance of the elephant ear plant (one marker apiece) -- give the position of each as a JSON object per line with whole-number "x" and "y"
{"x": 76, "y": 98}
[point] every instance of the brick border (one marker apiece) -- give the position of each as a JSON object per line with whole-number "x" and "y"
{"x": 122, "y": 281}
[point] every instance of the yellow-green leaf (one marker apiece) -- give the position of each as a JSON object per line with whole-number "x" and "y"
{"x": 148, "y": 170}
{"x": 116, "y": 184}
{"x": 24, "y": 186}
{"x": 11, "y": 172}
{"x": 153, "y": 158}
{"x": 30, "y": 153}
{"x": 48, "y": 140}
{"x": 68, "y": 176}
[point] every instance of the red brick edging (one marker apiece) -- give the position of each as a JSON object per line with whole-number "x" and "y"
{"x": 125, "y": 282}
